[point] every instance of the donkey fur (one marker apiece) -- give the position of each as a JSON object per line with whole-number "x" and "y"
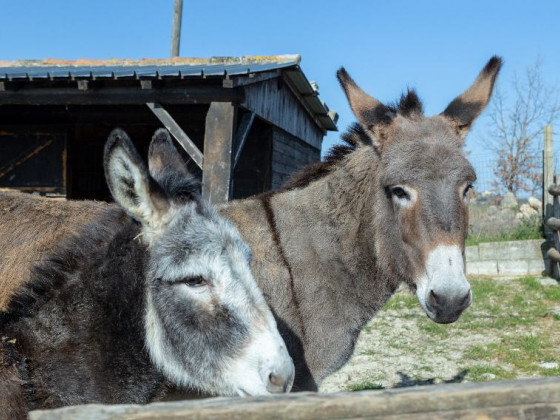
{"x": 108, "y": 314}
{"x": 85, "y": 342}
{"x": 29, "y": 239}
{"x": 329, "y": 249}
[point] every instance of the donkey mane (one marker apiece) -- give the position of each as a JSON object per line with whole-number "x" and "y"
{"x": 48, "y": 277}
{"x": 408, "y": 106}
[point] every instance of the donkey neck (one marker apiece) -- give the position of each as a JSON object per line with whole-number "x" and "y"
{"x": 334, "y": 216}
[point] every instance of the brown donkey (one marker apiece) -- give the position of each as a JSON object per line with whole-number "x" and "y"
{"x": 389, "y": 206}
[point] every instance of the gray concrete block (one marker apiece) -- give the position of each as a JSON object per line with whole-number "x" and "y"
{"x": 509, "y": 268}
{"x": 488, "y": 251}
{"x": 513, "y": 250}
{"x": 536, "y": 267}
{"x": 482, "y": 268}
{"x": 471, "y": 253}
{"x": 524, "y": 249}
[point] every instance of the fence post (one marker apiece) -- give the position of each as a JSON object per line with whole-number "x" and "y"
{"x": 548, "y": 175}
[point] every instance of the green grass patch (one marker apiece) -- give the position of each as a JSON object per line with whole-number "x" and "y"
{"x": 401, "y": 301}
{"x": 483, "y": 373}
{"x": 363, "y": 386}
{"x": 552, "y": 294}
{"x": 483, "y": 289}
{"x": 475, "y": 352}
{"x": 531, "y": 284}
{"x": 430, "y": 327}
{"x": 550, "y": 372}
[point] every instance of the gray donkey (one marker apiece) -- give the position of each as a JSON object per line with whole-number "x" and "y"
{"x": 388, "y": 207}
{"x": 160, "y": 294}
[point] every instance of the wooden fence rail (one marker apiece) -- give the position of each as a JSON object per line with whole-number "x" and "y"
{"x": 523, "y": 399}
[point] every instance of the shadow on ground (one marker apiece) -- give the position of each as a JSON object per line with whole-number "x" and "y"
{"x": 407, "y": 381}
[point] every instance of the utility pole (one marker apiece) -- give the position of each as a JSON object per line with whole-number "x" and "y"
{"x": 176, "y": 31}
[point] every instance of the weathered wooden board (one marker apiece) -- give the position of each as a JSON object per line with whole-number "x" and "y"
{"x": 524, "y": 399}
{"x": 218, "y": 143}
{"x": 274, "y": 102}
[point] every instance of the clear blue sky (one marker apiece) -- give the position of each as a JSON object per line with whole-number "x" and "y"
{"x": 437, "y": 47}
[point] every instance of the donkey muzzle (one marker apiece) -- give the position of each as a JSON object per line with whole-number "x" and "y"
{"x": 444, "y": 291}
{"x": 281, "y": 380}
{"x": 445, "y": 309}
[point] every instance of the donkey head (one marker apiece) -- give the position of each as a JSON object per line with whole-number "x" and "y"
{"x": 422, "y": 179}
{"x": 207, "y": 324}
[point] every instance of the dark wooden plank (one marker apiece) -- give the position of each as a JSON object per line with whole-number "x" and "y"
{"x": 251, "y": 79}
{"x": 218, "y": 143}
{"x": 177, "y": 132}
{"x": 553, "y": 223}
{"x": 554, "y": 190}
{"x": 146, "y": 84}
{"x": 120, "y": 96}
{"x": 23, "y": 157}
{"x": 273, "y": 101}
{"x": 83, "y": 84}
{"x": 553, "y": 254}
{"x": 241, "y": 135}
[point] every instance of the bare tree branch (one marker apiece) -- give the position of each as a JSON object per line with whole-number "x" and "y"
{"x": 516, "y": 127}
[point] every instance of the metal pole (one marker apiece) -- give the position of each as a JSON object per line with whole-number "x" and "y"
{"x": 176, "y": 31}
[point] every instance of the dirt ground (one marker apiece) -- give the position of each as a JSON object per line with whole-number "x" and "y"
{"x": 512, "y": 330}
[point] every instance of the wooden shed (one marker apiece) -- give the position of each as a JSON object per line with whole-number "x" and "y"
{"x": 246, "y": 123}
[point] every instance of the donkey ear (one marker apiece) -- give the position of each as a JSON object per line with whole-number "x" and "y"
{"x": 464, "y": 109}
{"x": 169, "y": 169}
{"x": 130, "y": 184}
{"x": 372, "y": 115}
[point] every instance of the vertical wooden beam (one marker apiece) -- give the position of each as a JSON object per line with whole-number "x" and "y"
{"x": 548, "y": 175}
{"x": 218, "y": 144}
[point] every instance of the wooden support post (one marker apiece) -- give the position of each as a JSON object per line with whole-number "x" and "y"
{"x": 218, "y": 143}
{"x": 548, "y": 175}
{"x": 177, "y": 132}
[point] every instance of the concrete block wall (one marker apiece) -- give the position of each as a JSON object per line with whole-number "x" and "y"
{"x": 513, "y": 258}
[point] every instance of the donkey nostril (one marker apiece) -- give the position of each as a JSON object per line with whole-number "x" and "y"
{"x": 276, "y": 380}
{"x": 466, "y": 300}
{"x": 434, "y": 298}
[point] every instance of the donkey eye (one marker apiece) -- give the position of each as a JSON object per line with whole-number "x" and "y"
{"x": 195, "y": 281}
{"x": 400, "y": 193}
{"x": 466, "y": 192}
